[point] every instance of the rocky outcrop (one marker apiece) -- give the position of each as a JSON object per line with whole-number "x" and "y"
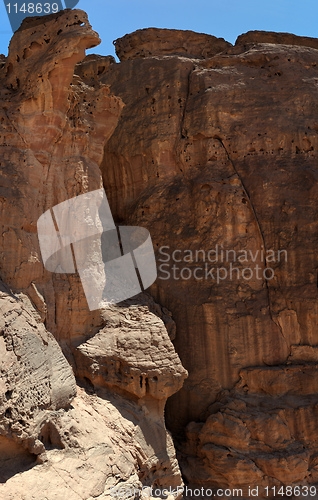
{"x": 53, "y": 131}
{"x": 219, "y": 154}
{"x": 252, "y": 37}
{"x": 152, "y": 42}
{"x": 262, "y": 433}
{"x": 132, "y": 353}
{"x": 35, "y": 381}
{"x": 58, "y": 440}
{"x": 103, "y": 444}
{"x": 213, "y": 149}
{"x": 112, "y": 436}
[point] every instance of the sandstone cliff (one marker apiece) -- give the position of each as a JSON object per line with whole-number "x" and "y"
{"x": 82, "y": 393}
{"x": 208, "y": 146}
{"x": 217, "y": 146}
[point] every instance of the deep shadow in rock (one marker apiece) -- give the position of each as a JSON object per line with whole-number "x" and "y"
{"x": 13, "y": 459}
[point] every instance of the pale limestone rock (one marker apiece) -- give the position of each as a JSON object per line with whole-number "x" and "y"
{"x": 132, "y": 353}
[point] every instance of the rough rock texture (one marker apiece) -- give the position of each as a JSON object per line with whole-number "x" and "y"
{"x": 55, "y": 444}
{"x": 154, "y": 41}
{"x": 54, "y": 128}
{"x": 276, "y": 38}
{"x": 101, "y": 443}
{"x": 132, "y": 353}
{"x": 35, "y": 380}
{"x": 223, "y": 151}
{"x": 216, "y": 145}
{"x": 262, "y": 433}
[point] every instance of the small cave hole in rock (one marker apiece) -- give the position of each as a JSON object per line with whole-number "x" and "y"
{"x": 101, "y": 70}
{"x": 8, "y": 413}
{"x": 89, "y": 385}
{"x": 147, "y": 385}
{"x": 8, "y": 394}
{"x": 50, "y": 437}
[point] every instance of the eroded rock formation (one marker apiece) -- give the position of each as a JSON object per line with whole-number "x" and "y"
{"x": 220, "y": 149}
{"x": 208, "y": 146}
{"x": 163, "y": 42}
{"x": 58, "y": 440}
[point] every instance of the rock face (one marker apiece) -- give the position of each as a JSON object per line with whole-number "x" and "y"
{"x": 132, "y": 355}
{"x": 36, "y": 380}
{"x": 163, "y": 42}
{"x": 102, "y": 444}
{"x": 276, "y": 38}
{"x": 213, "y": 149}
{"x": 82, "y": 393}
{"x": 217, "y": 153}
{"x": 261, "y": 433}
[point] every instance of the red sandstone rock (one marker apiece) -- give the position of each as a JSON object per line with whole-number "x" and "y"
{"x": 222, "y": 151}
{"x": 255, "y": 37}
{"x": 53, "y": 131}
{"x": 216, "y": 145}
{"x": 152, "y": 42}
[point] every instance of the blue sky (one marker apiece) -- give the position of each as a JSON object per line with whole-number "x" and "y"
{"x": 227, "y": 18}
